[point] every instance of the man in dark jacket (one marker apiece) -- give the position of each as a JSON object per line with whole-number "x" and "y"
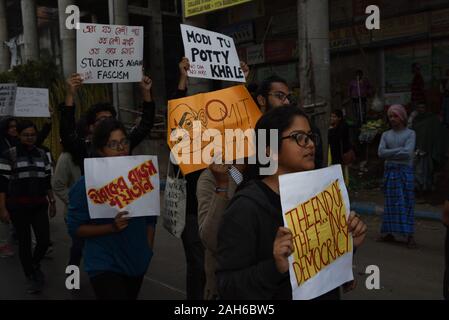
{"x": 193, "y": 248}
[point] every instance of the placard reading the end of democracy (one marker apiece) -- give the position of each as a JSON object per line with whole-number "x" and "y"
{"x": 315, "y": 207}
{"x": 109, "y": 53}
{"x": 212, "y": 55}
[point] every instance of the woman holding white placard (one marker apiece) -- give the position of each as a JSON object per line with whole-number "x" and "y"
{"x": 117, "y": 252}
{"x": 253, "y": 246}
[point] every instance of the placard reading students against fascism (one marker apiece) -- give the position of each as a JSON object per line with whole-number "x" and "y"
{"x": 109, "y": 53}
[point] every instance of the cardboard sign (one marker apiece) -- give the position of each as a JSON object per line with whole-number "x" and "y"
{"x": 212, "y": 55}
{"x": 109, "y": 53}
{"x": 117, "y": 184}
{"x": 315, "y": 207}
{"x": 24, "y": 102}
{"x": 31, "y": 102}
{"x": 231, "y": 112}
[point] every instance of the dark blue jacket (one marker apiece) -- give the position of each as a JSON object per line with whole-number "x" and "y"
{"x": 126, "y": 252}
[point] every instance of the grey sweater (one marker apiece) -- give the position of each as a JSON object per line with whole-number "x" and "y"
{"x": 211, "y": 208}
{"x": 398, "y": 146}
{"x": 66, "y": 174}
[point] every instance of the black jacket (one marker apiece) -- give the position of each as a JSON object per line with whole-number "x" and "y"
{"x": 339, "y": 142}
{"x": 245, "y": 263}
{"x": 191, "y": 178}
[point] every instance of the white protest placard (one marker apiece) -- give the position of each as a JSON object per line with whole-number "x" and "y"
{"x": 315, "y": 207}
{"x": 31, "y": 102}
{"x": 7, "y": 98}
{"x": 116, "y": 184}
{"x": 212, "y": 55}
{"x": 23, "y": 102}
{"x": 109, "y": 53}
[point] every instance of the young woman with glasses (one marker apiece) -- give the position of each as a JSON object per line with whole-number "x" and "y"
{"x": 253, "y": 246}
{"x": 117, "y": 252}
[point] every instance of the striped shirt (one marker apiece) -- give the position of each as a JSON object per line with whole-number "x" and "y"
{"x": 25, "y": 176}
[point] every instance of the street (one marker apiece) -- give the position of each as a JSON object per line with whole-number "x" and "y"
{"x": 404, "y": 273}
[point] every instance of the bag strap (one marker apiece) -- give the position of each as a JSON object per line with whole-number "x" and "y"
{"x": 177, "y": 175}
{"x": 169, "y": 164}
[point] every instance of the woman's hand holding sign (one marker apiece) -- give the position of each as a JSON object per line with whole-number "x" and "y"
{"x": 283, "y": 248}
{"x": 357, "y": 228}
{"x": 120, "y": 221}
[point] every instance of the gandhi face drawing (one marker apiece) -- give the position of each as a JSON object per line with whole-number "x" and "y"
{"x": 182, "y": 117}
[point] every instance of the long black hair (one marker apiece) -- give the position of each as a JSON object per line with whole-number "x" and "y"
{"x": 4, "y": 125}
{"x": 91, "y": 114}
{"x": 103, "y": 131}
{"x": 280, "y": 118}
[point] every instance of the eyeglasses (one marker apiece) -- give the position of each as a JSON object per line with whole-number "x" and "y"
{"x": 303, "y": 139}
{"x": 282, "y": 96}
{"x": 28, "y": 135}
{"x": 114, "y": 145}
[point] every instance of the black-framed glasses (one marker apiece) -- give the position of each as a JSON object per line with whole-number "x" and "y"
{"x": 28, "y": 135}
{"x": 103, "y": 118}
{"x": 282, "y": 96}
{"x": 303, "y": 139}
{"x": 114, "y": 145}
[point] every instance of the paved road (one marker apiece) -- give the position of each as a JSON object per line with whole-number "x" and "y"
{"x": 404, "y": 273}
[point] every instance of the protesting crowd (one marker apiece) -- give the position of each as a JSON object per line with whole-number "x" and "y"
{"x": 237, "y": 239}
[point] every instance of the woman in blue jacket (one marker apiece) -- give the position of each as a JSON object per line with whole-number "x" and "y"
{"x": 117, "y": 251}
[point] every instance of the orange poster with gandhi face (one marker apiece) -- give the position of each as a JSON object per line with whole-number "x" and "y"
{"x": 210, "y": 125}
